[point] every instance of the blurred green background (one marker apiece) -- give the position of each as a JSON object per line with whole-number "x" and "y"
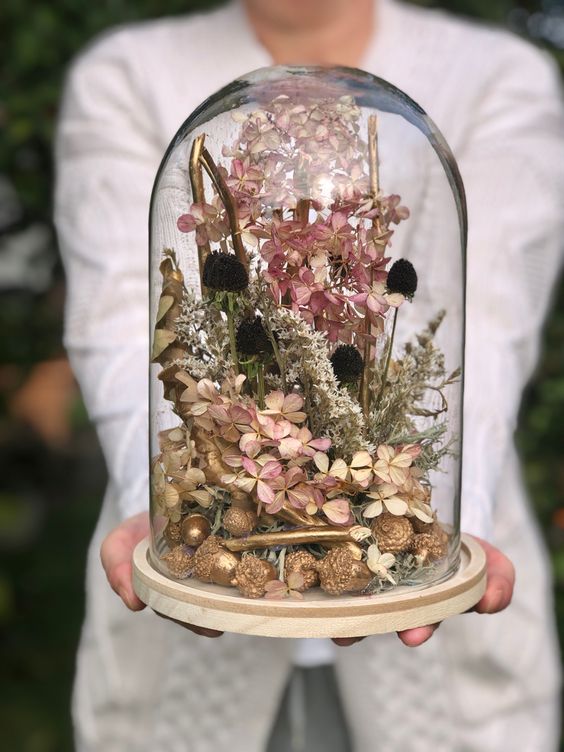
{"x": 52, "y": 475}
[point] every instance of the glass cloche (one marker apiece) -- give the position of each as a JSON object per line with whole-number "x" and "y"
{"x": 307, "y": 234}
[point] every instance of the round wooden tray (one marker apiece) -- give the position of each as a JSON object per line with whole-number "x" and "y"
{"x": 319, "y": 614}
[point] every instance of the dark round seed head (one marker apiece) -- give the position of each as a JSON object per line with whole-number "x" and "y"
{"x": 251, "y": 337}
{"x": 347, "y": 364}
{"x": 223, "y": 271}
{"x": 402, "y": 277}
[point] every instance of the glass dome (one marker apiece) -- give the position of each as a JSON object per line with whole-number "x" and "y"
{"x": 308, "y": 230}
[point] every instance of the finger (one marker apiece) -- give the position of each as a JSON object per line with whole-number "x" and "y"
{"x": 202, "y": 631}
{"x": 500, "y": 581}
{"x": 413, "y": 638}
{"x": 116, "y": 552}
{"x": 345, "y": 642}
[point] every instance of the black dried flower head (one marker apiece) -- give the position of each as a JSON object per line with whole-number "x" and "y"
{"x": 252, "y": 338}
{"x": 347, "y": 364}
{"x": 402, "y": 277}
{"x": 223, "y": 271}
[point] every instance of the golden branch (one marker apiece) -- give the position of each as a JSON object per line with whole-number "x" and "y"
{"x": 227, "y": 199}
{"x": 199, "y": 196}
{"x": 364, "y": 391}
{"x": 324, "y": 535}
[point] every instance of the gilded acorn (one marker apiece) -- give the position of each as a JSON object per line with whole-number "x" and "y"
{"x": 239, "y": 522}
{"x": 393, "y": 533}
{"x": 203, "y": 558}
{"x": 179, "y": 561}
{"x": 304, "y": 563}
{"x": 428, "y": 547}
{"x": 252, "y": 574}
{"x": 340, "y": 573}
{"x": 195, "y": 529}
{"x": 223, "y": 567}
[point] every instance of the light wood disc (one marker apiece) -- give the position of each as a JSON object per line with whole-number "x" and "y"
{"x": 319, "y": 614}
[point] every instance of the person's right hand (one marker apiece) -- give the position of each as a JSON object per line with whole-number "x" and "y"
{"x": 116, "y": 553}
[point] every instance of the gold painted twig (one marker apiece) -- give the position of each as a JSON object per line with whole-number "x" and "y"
{"x": 166, "y": 346}
{"x": 373, "y": 165}
{"x": 364, "y": 391}
{"x": 301, "y": 212}
{"x": 388, "y": 358}
{"x": 300, "y": 517}
{"x": 227, "y": 199}
{"x": 327, "y": 534}
{"x": 199, "y": 196}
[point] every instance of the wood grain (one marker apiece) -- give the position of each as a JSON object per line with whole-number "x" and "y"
{"x": 319, "y": 614}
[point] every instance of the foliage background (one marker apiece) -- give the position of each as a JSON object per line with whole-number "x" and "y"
{"x": 50, "y": 489}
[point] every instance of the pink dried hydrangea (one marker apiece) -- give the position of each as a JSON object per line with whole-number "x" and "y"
{"x": 299, "y": 178}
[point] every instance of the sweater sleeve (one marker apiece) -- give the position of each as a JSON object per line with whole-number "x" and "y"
{"x": 513, "y": 167}
{"x": 106, "y": 159}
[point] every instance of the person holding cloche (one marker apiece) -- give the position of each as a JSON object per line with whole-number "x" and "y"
{"x": 145, "y": 683}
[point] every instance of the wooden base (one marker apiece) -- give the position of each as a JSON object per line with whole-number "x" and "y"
{"x": 319, "y": 614}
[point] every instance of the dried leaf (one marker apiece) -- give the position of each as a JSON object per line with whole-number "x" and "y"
{"x": 165, "y": 304}
{"x": 162, "y": 339}
{"x": 203, "y": 497}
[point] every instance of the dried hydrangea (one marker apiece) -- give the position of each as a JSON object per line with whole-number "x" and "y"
{"x": 334, "y": 413}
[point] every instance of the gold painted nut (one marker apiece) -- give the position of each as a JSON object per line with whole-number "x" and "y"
{"x": 223, "y": 566}
{"x": 195, "y": 529}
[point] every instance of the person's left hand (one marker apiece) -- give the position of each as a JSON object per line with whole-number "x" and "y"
{"x": 499, "y": 591}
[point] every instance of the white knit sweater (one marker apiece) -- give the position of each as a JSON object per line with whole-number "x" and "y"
{"x": 144, "y": 684}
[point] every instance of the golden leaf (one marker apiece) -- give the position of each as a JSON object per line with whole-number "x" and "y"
{"x": 162, "y": 339}
{"x": 165, "y": 304}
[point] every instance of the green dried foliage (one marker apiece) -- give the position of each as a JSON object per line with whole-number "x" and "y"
{"x": 405, "y": 414}
{"x": 406, "y": 569}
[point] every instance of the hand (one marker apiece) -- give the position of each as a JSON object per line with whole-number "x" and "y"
{"x": 499, "y": 591}
{"x": 116, "y": 552}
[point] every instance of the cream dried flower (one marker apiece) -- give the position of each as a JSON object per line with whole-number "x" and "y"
{"x": 392, "y": 465}
{"x": 380, "y": 563}
{"x": 386, "y": 498}
{"x": 165, "y": 495}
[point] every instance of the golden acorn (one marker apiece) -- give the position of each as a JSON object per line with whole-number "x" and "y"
{"x": 223, "y": 567}
{"x": 340, "y": 573}
{"x": 428, "y": 546}
{"x": 304, "y": 563}
{"x": 421, "y": 527}
{"x": 252, "y": 574}
{"x": 195, "y": 529}
{"x": 173, "y": 533}
{"x": 179, "y": 561}
{"x": 203, "y": 558}
{"x": 432, "y": 528}
{"x": 394, "y": 534}
{"x": 239, "y": 522}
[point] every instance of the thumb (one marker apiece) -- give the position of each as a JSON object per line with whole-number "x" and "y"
{"x": 116, "y": 553}
{"x": 500, "y": 581}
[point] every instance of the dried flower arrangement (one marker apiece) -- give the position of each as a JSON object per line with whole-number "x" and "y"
{"x": 297, "y": 461}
